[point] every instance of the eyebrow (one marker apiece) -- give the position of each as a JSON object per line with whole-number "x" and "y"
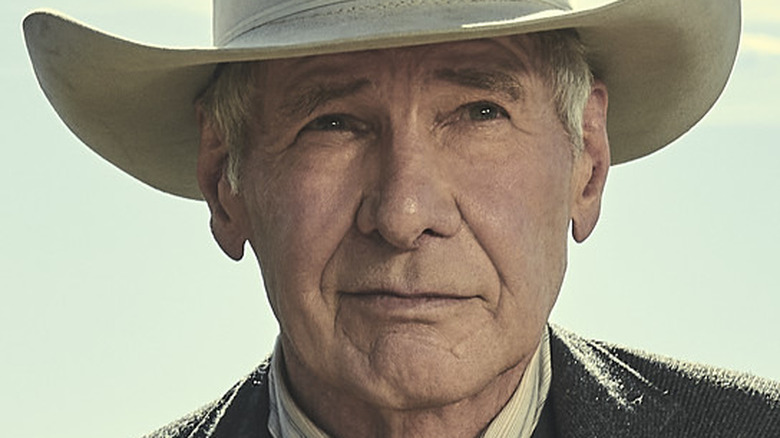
{"x": 306, "y": 99}
{"x": 491, "y": 80}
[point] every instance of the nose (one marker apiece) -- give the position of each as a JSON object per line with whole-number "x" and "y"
{"x": 411, "y": 198}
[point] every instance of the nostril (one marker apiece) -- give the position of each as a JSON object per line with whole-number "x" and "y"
{"x": 432, "y": 233}
{"x": 426, "y": 234}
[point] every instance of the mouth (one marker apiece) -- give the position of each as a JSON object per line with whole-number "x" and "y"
{"x": 422, "y": 296}
{"x": 384, "y": 303}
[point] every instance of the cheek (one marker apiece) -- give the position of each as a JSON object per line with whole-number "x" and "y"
{"x": 299, "y": 211}
{"x": 518, "y": 210}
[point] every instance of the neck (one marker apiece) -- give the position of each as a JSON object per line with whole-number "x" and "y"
{"x": 344, "y": 415}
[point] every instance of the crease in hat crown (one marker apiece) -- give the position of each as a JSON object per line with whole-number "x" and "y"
{"x": 233, "y": 18}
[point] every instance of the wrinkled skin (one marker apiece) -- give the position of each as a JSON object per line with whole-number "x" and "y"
{"x": 409, "y": 209}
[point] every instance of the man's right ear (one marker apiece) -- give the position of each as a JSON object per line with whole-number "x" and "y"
{"x": 228, "y": 215}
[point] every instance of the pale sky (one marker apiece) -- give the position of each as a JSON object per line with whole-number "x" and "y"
{"x": 119, "y": 313}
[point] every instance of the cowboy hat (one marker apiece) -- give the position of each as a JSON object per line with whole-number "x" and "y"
{"x": 665, "y": 62}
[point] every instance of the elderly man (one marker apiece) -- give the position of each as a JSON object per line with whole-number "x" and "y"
{"x": 406, "y": 174}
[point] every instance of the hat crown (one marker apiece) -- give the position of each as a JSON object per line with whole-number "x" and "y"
{"x": 232, "y": 18}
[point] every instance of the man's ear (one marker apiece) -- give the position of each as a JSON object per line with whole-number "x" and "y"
{"x": 228, "y": 215}
{"x": 591, "y": 165}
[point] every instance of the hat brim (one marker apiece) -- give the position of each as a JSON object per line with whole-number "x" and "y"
{"x": 665, "y": 62}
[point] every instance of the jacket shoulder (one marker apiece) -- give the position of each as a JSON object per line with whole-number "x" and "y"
{"x": 184, "y": 427}
{"x": 715, "y": 397}
{"x": 216, "y": 419}
{"x": 628, "y": 389}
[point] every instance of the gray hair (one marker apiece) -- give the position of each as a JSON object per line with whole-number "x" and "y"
{"x": 562, "y": 62}
{"x": 226, "y": 103}
{"x": 560, "y": 59}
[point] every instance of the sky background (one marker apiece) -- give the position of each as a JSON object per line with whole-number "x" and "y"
{"x": 118, "y": 312}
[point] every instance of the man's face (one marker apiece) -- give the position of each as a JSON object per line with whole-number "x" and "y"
{"x": 409, "y": 210}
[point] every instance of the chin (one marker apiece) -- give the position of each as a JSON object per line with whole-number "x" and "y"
{"x": 410, "y": 372}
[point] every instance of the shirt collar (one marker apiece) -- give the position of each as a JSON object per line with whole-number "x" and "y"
{"x": 519, "y": 416}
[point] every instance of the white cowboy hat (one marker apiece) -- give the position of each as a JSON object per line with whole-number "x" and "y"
{"x": 665, "y": 62}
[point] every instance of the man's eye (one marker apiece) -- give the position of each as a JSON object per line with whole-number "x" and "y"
{"x": 333, "y": 122}
{"x": 484, "y": 111}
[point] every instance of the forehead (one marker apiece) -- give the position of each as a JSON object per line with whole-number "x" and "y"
{"x": 512, "y": 54}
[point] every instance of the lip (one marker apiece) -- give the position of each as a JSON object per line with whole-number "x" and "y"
{"x": 415, "y": 305}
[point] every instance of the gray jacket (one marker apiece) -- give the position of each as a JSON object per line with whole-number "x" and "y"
{"x": 598, "y": 390}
